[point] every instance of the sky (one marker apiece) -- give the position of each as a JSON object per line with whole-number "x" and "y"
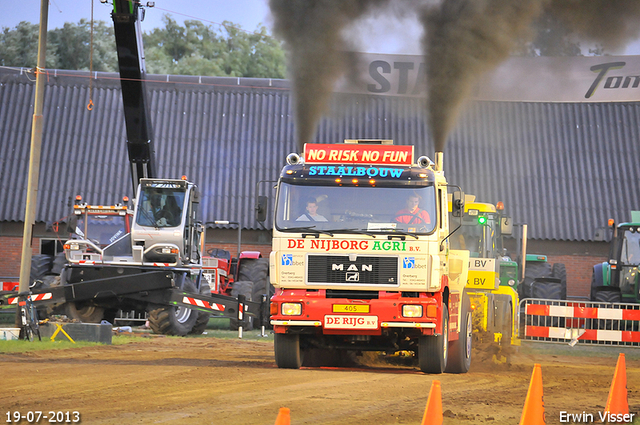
{"x": 377, "y": 36}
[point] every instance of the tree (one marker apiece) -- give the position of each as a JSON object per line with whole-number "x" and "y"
{"x": 73, "y": 46}
{"x": 192, "y": 49}
{"x": 19, "y": 46}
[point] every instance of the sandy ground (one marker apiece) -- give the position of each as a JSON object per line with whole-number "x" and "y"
{"x": 209, "y": 380}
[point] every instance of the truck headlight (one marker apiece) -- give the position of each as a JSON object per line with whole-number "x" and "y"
{"x": 409, "y": 310}
{"x": 291, "y": 309}
{"x": 511, "y": 282}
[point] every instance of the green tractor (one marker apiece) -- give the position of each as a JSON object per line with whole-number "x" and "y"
{"x": 616, "y": 280}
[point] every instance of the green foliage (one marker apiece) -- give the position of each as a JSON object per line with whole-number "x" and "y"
{"x": 72, "y": 45}
{"x": 19, "y": 47}
{"x": 192, "y": 49}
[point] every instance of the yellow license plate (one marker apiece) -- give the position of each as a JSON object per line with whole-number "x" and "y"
{"x": 350, "y": 308}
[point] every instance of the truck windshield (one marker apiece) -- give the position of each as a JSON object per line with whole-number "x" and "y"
{"x": 356, "y": 209}
{"x": 481, "y": 239}
{"x": 160, "y": 207}
{"x": 102, "y": 230}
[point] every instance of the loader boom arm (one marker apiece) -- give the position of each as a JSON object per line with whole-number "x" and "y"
{"x": 126, "y": 25}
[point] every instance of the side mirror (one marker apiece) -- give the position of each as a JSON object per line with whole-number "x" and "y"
{"x": 72, "y": 223}
{"x": 261, "y": 208}
{"x": 506, "y": 226}
{"x": 457, "y": 204}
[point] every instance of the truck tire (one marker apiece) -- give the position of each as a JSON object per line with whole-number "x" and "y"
{"x": 172, "y": 320}
{"x": 241, "y": 288}
{"x": 459, "y": 359}
{"x": 287, "y": 351}
{"x": 203, "y": 317}
{"x": 433, "y": 350}
{"x": 40, "y": 267}
{"x": 84, "y": 312}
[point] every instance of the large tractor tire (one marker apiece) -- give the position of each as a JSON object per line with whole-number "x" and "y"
{"x": 84, "y": 312}
{"x": 203, "y": 317}
{"x": 559, "y": 271}
{"x": 459, "y": 359}
{"x": 258, "y": 273}
{"x": 41, "y": 265}
{"x": 287, "y": 351}
{"x": 172, "y": 320}
{"x": 534, "y": 270}
{"x": 433, "y": 350}
{"x": 597, "y": 280}
{"x": 548, "y": 289}
{"x": 242, "y": 288}
{"x": 607, "y": 294}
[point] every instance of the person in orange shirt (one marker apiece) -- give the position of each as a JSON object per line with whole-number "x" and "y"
{"x": 413, "y": 214}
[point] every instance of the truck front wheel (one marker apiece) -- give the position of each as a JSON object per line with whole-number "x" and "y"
{"x": 287, "y": 351}
{"x": 460, "y": 359}
{"x": 433, "y": 350}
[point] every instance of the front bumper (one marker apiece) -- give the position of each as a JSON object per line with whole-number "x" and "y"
{"x": 347, "y": 316}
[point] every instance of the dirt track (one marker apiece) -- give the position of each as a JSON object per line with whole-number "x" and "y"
{"x": 206, "y": 380}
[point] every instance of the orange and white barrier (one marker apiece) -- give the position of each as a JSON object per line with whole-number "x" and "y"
{"x": 581, "y": 322}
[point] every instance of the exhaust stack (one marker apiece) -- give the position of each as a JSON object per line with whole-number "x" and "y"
{"x": 439, "y": 161}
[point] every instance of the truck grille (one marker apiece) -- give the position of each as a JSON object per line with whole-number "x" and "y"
{"x": 362, "y": 271}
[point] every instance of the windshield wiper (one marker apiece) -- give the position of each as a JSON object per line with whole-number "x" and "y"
{"x": 358, "y": 231}
{"x": 310, "y": 229}
{"x": 400, "y": 232}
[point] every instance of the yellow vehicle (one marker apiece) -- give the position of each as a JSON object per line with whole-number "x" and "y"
{"x": 492, "y": 281}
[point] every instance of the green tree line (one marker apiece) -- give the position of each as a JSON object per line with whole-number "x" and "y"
{"x": 192, "y": 49}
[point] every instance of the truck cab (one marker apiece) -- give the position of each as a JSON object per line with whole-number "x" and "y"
{"x": 361, "y": 259}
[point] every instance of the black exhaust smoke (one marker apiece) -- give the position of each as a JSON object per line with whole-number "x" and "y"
{"x": 312, "y": 34}
{"x": 462, "y": 40}
{"x": 466, "y": 38}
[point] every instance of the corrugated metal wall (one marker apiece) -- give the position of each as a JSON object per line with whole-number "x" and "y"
{"x": 562, "y": 168}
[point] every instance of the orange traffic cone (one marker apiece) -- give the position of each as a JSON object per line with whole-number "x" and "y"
{"x": 284, "y": 416}
{"x": 433, "y": 411}
{"x": 533, "y": 412}
{"x": 618, "y": 402}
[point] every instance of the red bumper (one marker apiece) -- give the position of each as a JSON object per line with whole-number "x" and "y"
{"x": 344, "y": 316}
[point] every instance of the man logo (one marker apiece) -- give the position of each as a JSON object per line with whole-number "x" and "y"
{"x": 353, "y": 277}
{"x": 287, "y": 259}
{"x": 409, "y": 263}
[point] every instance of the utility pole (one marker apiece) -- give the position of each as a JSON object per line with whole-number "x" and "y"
{"x": 34, "y": 156}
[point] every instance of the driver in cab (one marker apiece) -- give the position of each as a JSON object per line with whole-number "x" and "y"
{"x": 312, "y": 212}
{"x": 413, "y": 214}
{"x": 164, "y": 216}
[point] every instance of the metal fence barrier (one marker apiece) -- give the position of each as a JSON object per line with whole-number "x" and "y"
{"x": 576, "y": 322}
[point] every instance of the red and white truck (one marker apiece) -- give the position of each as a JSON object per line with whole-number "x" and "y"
{"x": 361, "y": 258}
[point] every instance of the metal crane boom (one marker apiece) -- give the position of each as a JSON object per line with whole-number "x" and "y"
{"x": 126, "y": 23}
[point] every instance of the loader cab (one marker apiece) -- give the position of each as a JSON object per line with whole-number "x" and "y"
{"x": 166, "y": 226}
